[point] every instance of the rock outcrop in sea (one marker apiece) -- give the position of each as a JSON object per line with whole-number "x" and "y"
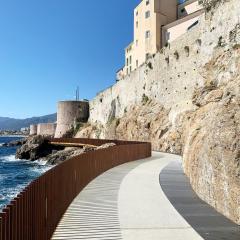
{"x": 38, "y": 147}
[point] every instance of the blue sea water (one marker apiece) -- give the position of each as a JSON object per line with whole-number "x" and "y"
{"x": 16, "y": 174}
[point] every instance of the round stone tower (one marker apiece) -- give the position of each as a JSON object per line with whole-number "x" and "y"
{"x": 69, "y": 114}
{"x": 33, "y": 129}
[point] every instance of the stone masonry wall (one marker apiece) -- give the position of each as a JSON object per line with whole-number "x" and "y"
{"x": 169, "y": 78}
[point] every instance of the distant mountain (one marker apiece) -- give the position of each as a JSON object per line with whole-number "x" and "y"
{"x": 17, "y": 124}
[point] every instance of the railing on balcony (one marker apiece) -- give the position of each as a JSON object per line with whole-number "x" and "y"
{"x": 35, "y": 213}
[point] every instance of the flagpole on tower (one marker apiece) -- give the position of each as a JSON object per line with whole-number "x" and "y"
{"x": 77, "y": 94}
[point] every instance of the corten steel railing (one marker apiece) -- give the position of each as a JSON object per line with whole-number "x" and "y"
{"x": 35, "y": 213}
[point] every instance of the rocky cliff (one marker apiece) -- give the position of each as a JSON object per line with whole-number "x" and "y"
{"x": 195, "y": 113}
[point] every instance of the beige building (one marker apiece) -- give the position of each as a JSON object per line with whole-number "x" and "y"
{"x": 155, "y": 24}
{"x": 189, "y": 13}
{"x": 149, "y": 16}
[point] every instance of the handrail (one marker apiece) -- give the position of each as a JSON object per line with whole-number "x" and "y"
{"x": 35, "y": 213}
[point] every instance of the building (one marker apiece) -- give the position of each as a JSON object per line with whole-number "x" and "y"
{"x": 189, "y": 13}
{"x": 25, "y": 129}
{"x": 156, "y": 23}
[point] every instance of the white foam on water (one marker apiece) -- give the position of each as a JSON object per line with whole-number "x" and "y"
{"x": 1, "y": 144}
{"x": 34, "y": 170}
{"x": 42, "y": 169}
{"x": 42, "y": 166}
{"x": 13, "y": 192}
{"x": 41, "y": 162}
{"x": 10, "y": 158}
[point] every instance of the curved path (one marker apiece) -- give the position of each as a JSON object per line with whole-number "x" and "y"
{"x": 127, "y": 202}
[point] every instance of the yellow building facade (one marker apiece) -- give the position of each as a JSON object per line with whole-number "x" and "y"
{"x": 150, "y": 33}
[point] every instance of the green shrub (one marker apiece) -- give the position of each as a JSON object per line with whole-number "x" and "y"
{"x": 145, "y": 98}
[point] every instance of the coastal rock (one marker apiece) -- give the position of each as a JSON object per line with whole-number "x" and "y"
{"x": 37, "y": 147}
{"x": 106, "y": 145}
{"x": 34, "y": 148}
{"x": 63, "y": 155}
{"x": 15, "y": 143}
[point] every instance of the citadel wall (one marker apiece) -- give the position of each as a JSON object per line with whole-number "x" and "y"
{"x": 46, "y": 129}
{"x": 173, "y": 74}
{"x": 169, "y": 78}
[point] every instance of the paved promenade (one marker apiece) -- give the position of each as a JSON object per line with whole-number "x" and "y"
{"x": 143, "y": 200}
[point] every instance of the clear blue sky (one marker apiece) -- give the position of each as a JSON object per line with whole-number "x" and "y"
{"x": 48, "y": 47}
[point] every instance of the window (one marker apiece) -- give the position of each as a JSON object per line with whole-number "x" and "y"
{"x": 147, "y": 14}
{"x": 136, "y": 13}
{"x": 136, "y": 24}
{"x": 136, "y": 63}
{"x": 147, "y": 34}
{"x": 130, "y": 60}
{"x": 130, "y": 68}
{"x": 136, "y": 42}
{"x": 147, "y": 2}
{"x": 127, "y": 61}
{"x": 183, "y": 10}
{"x": 167, "y": 36}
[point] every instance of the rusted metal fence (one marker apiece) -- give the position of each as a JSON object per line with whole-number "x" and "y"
{"x": 35, "y": 213}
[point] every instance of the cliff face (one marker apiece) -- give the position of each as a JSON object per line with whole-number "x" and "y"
{"x": 212, "y": 141}
{"x": 211, "y": 150}
{"x": 203, "y": 122}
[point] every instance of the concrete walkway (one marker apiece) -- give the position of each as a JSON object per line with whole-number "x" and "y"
{"x": 127, "y": 202}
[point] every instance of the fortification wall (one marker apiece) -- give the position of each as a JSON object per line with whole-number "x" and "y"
{"x": 33, "y": 129}
{"x": 69, "y": 114}
{"x": 169, "y": 78}
{"x": 46, "y": 129}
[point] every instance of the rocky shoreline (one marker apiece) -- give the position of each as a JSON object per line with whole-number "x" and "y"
{"x": 37, "y": 147}
{"x": 15, "y": 143}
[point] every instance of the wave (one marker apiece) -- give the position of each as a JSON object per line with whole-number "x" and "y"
{"x": 9, "y": 158}
{"x": 1, "y": 144}
{"x": 38, "y": 163}
{"x": 40, "y": 169}
{"x": 16, "y": 174}
{"x": 10, "y": 193}
{"x": 41, "y": 162}
{"x": 41, "y": 166}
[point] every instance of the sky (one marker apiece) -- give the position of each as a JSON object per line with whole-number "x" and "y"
{"x": 49, "y": 47}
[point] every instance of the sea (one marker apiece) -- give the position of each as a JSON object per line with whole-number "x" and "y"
{"x": 16, "y": 174}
